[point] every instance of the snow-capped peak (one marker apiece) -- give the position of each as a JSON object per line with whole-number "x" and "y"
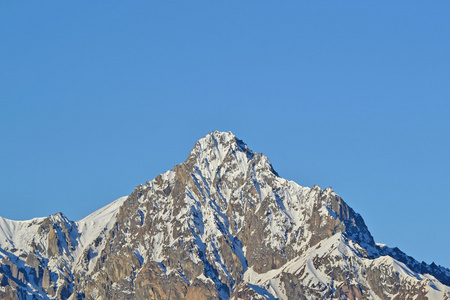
{"x": 211, "y": 151}
{"x": 217, "y": 144}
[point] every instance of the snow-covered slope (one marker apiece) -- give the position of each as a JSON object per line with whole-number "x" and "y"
{"x": 40, "y": 256}
{"x": 17, "y": 234}
{"x": 223, "y": 224}
{"x": 316, "y": 268}
{"x": 94, "y": 227}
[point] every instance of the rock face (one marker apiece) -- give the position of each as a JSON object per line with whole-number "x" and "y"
{"x": 221, "y": 225}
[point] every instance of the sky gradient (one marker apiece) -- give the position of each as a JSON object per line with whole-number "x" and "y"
{"x": 97, "y": 98}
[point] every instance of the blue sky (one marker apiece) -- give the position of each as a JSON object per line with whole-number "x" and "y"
{"x": 98, "y": 97}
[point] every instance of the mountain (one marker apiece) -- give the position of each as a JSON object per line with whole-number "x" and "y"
{"x": 221, "y": 225}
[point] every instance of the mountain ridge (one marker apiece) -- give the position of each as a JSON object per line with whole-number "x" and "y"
{"x": 222, "y": 224}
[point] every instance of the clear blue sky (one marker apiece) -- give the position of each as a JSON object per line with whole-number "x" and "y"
{"x": 98, "y": 97}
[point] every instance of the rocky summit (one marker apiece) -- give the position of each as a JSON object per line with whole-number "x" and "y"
{"x": 221, "y": 225}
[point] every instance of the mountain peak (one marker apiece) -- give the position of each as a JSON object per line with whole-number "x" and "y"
{"x": 221, "y": 225}
{"x": 222, "y": 141}
{"x": 216, "y": 147}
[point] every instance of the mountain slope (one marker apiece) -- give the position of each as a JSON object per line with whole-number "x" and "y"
{"x": 222, "y": 224}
